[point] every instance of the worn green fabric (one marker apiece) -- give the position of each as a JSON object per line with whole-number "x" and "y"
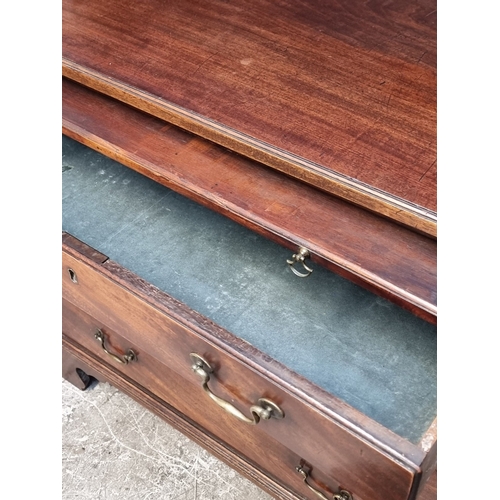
{"x": 363, "y": 349}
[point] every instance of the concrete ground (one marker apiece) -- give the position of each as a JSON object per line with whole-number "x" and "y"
{"x": 113, "y": 448}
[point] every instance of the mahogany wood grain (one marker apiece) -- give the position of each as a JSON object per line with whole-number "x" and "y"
{"x": 386, "y": 258}
{"x": 429, "y": 492}
{"x": 77, "y": 355}
{"x": 85, "y": 249}
{"x": 340, "y": 94}
{"x": 358, "y": 450}
{"x": 185, "y": 396}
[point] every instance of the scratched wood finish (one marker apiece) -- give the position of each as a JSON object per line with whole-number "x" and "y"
{"x": 386, "y": 258}
{"x": 358, "y": 451}
{"x": 341, "y": 94}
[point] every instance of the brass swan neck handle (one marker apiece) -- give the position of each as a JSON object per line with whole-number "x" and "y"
{"x": 123, "y": 360}
{"x": 264, "y": 410}
{"x": 341, "y": 495}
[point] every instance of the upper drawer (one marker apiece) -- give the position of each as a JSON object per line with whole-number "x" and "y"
{"x": 384, "y": 257}
{"x": 354, "y": 375}
{"x": 339, "y": 95}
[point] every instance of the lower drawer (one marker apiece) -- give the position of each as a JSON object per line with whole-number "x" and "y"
{"x": 249, "y": 442}
{"x": 78, "y": 365}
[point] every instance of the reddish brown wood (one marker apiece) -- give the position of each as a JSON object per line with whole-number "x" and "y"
{"x": 73, "y": 356}
{"x": 429, "y": 492}
{"x": 358, "y": 450}
{"x": 220, "y": 446}
{"x": 388, "y": 259}
{"x": 84, "y": 249}
{"x": 341, "y": 94}
{"x": 187, "y": 398}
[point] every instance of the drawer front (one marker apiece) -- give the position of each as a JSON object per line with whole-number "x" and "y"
{"x": 168, "y": 332}
{"x": 265, "y": 453}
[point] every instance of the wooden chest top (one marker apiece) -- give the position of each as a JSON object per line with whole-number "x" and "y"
{"x": 341, "y": 95}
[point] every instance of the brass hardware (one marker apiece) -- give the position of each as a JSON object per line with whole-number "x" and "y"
{"x": 125, "y": 359}
{"x": 264, "y": 410}
{"x": 300, "y": 256}
{"x": 72, "y": 275}
{"x": 341, "y": 495}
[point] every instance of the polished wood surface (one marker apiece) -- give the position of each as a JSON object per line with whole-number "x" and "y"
{"x": 358, "y": 451}
{"x": 341, "y": 94}
{"x": 186, "y": 396}
{"x": 386, "y": 258}
{"x": 223, "y": 446}
{"x": 75, "y": 355}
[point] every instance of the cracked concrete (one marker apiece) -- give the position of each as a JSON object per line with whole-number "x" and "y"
{"x": 113, "y": 448}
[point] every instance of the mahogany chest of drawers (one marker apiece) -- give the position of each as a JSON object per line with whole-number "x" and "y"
{"x": 208, "y": 168}
{"x": 315, "y": 374}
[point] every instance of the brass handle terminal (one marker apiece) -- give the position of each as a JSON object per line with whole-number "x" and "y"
{"x": 341, "y": 495}
{"x": 300, "y": 256}
{"x": 265, "y": 409}
{"x": 123, "y": 360}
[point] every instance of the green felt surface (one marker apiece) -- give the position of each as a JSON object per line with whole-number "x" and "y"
{"x": 363, "y": 349}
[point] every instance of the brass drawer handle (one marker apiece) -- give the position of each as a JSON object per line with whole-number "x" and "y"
{"x": 123, "y": 360}
{"x": 300, "y": 256}
{"x": 341, "y": 495}
{"x": 264, "y": 410}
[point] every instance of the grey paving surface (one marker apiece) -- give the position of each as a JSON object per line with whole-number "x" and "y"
{"x": 115, "y": 449}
